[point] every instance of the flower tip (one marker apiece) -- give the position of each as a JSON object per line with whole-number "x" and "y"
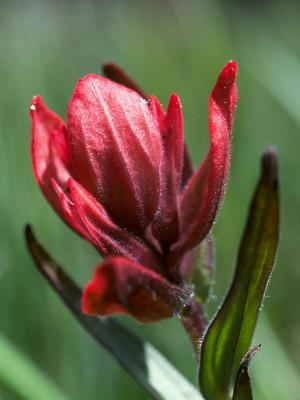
{"x": 233, "y": 65}
{"x": 174, "y": 101}
{"x": 35, "y": 103}
{"x": 226, "y": 84}
{"x": 229, "y": 72}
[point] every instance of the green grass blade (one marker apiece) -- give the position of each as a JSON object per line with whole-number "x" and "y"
{"x": 230, "y": 334}
{"x": 22, "y": 377}
{"x": 141, "y": 360}
{"x": 282, "y": 379}
{"x": 283, "y": 81}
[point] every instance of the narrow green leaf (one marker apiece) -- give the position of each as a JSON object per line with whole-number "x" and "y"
{"x": 22, "y": 377}
{"x": 242, "y": 387}
{"x": 141, "y": 360}
{"x": 229, "y": 335}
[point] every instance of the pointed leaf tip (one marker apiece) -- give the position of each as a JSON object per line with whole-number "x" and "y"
{"x": 269, "y": 165}
{"x": 249, "y": 355}
{"x": 28, "y": 230}
{"x": 28, "y": 236}
{"x": 242, "y": 387}
{"x": 31, "y": 241}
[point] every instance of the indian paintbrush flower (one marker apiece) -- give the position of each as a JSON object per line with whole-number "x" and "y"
{"x": 118, "y": 173}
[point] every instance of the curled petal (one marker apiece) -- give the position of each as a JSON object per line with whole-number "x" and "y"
{"x": 90, "y": 219}
{"x": 49, "y": 150}
{"x": 70, "y": 213}
{"x": 122, "y": 286}
{"x": 115, "y": 148}
{"x": 202, "y": 195}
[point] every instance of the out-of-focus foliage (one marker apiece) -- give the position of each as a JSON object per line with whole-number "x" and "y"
{"x": 166, "y": 46}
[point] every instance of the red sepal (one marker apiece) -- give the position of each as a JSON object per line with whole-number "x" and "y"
{"x": 158, "y": 113}
{"x": 116, "y": 150}
{"x": 49, "y": 150}
{"x": 122, "y": 286}
{"x": 201, "y": 197}
{"x": 187, "y": 168}
{"x": 166, "y": 225}
{"x": 85, "y": 215}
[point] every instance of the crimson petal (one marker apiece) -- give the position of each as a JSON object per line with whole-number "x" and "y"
{"x": 89, "y": 218}
{"x": 122, "y": 286}
{"x": 166, "y": 226}
{"x": 113, "y": 138}
{"x": 70, "y": 214}
{"x": 173, "y": 139}
{"x": 49, "y": 150}
{"x": 187, "y": 168}
{"x": 202, "y": 195}
{"x": 158, "y": 112}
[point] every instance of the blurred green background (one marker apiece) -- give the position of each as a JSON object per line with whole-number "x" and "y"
{"x": 167, "y": 46}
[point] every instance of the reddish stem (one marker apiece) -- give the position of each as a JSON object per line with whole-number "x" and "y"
{"x": 195, "y": 322}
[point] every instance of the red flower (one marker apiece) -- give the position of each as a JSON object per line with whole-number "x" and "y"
{"x": 118, "y": 174}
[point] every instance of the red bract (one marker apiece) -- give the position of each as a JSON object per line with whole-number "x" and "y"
{"x": 118, "y": 173}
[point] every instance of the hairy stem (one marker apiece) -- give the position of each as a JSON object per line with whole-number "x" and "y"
{"x": 194, "y": 321}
